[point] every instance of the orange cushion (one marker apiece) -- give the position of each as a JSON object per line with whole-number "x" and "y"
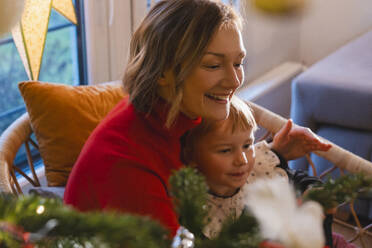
{"x": 62, "y": 117}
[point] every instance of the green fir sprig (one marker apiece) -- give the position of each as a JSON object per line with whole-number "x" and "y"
{"x": 189, "y": 192}
{"x": 73, "y": 228}
{"x": 337, "y": 191}
{"x": 52, "y": 224}
{"x": 243, "y": 232}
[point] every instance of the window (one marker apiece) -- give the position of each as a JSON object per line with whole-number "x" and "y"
{"x": 63, "y": 62}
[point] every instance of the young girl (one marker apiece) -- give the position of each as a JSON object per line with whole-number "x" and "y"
{"x": 224, "y": 151}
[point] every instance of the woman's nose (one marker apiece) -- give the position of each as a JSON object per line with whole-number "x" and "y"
{"x": 241, "y": 159}
{"x": 233, "y": 77}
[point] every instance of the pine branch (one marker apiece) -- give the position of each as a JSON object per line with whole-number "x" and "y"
{"x": 343, "y": 189}
{"x": 240, "y": 233}
{"x": 104, "y": 229}
{"x": 189, "y": 192}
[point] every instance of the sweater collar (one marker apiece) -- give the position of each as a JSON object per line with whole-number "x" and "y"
{"x": 182, "y": 123}
{"x": 222, "y": 196}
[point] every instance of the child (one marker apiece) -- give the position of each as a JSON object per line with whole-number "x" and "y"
{"x": 224, "y": 151}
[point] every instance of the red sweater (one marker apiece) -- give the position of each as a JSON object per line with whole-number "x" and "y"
{"x": 126, "y": 163}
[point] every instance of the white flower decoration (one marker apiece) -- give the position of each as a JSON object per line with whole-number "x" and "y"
{"x": 274, "y": 204}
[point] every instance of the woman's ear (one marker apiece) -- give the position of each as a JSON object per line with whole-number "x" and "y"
{"x": 162, "y": 81}
{"x": 164, "y": 85}
{"x": 165, "y": 78}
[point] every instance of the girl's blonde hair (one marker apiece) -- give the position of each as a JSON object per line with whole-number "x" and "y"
{"x": 240, "y": 118}
{"x": 172, "y": 37}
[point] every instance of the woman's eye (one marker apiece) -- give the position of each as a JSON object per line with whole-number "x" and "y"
{"x": 212, "y": 66}
{"x": 238, "y": 64}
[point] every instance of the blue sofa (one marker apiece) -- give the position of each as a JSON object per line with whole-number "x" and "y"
{"x": 334, "y": 98}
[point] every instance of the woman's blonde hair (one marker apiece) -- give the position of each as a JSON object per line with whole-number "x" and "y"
{"x": 240, "y": 118}
{"x": 172, "y": 37}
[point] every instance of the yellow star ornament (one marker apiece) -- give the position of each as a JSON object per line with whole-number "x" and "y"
{"x": 30, "y": 35}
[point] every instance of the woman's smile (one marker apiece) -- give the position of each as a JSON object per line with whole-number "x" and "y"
{"x": 219, "y": 98}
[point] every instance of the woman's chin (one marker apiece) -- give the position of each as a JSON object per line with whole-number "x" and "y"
{"x": 218, "y": 115}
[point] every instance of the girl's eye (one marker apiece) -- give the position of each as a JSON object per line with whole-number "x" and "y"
{"x": 223, "y": 151}
{"x": 246, "y": 146}
{"x": 238, "y": 64}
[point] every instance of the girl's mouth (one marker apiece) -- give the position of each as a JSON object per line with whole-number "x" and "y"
{"x": 238, "y": 174}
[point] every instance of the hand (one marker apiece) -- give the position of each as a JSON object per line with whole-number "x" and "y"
{"x": 294, "y": 141}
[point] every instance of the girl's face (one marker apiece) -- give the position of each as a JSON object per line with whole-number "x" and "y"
{"x": 209, "y": 87}
{"x": 225, "y": 159}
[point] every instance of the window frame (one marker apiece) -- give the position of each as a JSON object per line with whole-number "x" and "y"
{"x": 22, "y": 162}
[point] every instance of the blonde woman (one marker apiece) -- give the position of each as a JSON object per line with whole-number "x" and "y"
{"x": 185, "y": 64}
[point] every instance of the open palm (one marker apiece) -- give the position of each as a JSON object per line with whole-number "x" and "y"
{"x": 293, "y": 141}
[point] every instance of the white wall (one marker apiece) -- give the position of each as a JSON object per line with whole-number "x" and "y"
{"x": 323, "y": 27}
{"x": 329, "y": 24}
{"x": 269, "y": 41}
{"x": 108, "y": 31}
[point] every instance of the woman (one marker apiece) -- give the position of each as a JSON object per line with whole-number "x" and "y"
{"x": 185, "y": 64}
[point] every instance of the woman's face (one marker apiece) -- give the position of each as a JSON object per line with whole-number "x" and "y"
{"x": 211, "y": 84}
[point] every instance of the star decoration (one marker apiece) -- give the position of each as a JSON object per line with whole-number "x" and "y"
{"x": 30, "y": 35}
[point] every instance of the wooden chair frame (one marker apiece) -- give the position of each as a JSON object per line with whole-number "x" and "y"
{"x": 340, "y": 158}
{"x": 17, "y": 134}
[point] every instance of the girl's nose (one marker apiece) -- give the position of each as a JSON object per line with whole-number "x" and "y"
{"x": 241, "y": 159}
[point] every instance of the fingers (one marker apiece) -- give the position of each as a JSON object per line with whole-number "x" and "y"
{"x": 288, "y": 126}
{"x": 310, "y": 146}
{"x": 325, "y": 147}
{"x": 285, "y": 130}
{"x": 318, "y": 144}
{"x": 309, "y": 138}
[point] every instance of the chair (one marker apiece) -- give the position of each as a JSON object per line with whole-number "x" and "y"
{"x": 61, "y": 117}
{"x": 334, "y": 98}
{"x": 341, "y": 159}
{"x": 11, "y": 140}
{"x": 21, "y": 130}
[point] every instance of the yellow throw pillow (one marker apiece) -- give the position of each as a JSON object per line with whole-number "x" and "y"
{"x": 62, "y": 117}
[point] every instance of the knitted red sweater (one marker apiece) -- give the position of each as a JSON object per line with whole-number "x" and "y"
{"x": 126, "y": 163}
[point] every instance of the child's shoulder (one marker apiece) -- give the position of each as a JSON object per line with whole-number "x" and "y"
{"x": 266, "y": 163}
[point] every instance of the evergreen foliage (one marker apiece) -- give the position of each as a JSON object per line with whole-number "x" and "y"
{"x": 189, "y": 191}
{"x": 240, "y": 233}
{"x": 343, "y": 189}
{"x": 27, "y": 220}
{"x": 53, "y": 224}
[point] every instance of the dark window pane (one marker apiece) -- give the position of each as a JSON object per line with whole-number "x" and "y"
{"x": 60, "y": 62}
{"x": 11, "y": 73}
{"x": 8, "y": 117}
